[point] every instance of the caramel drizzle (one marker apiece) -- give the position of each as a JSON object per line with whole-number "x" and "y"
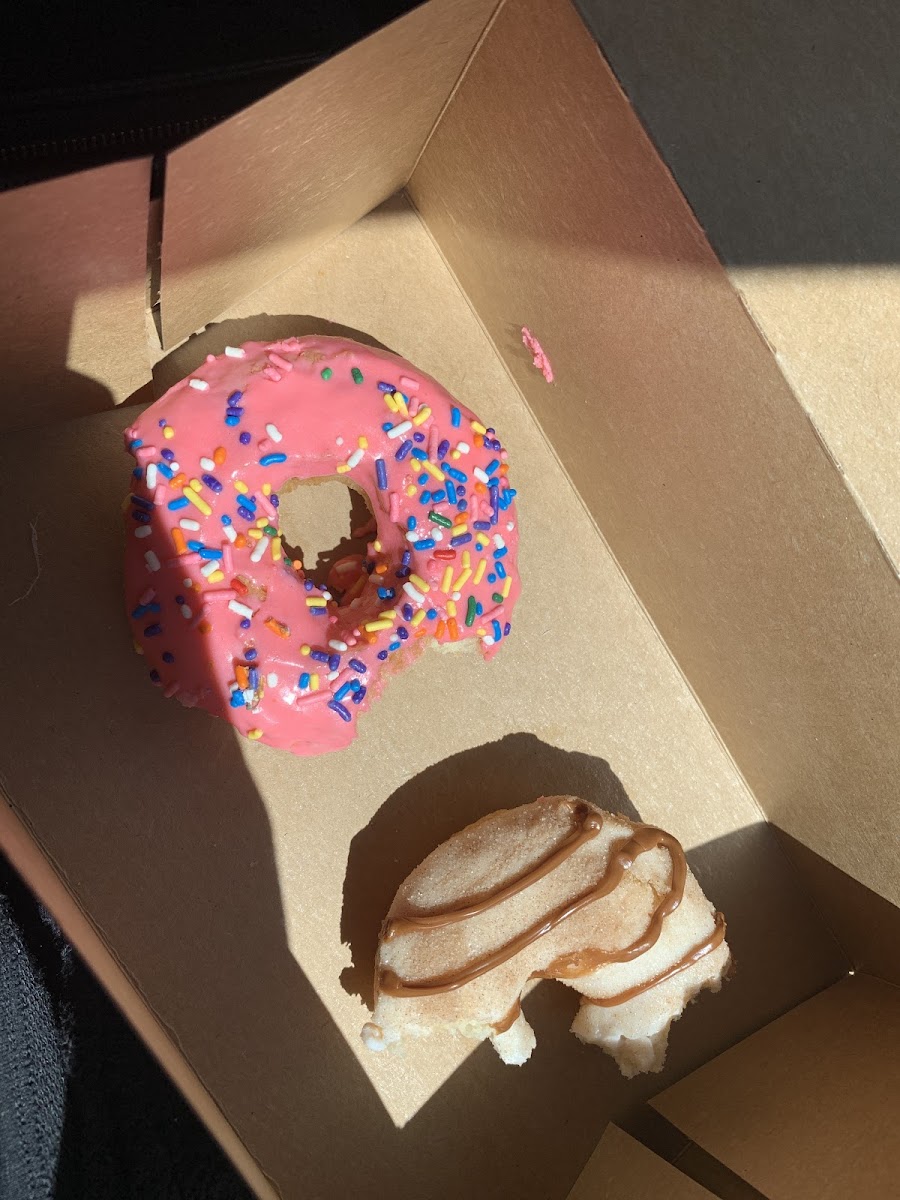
{"x": 644, "y": 838}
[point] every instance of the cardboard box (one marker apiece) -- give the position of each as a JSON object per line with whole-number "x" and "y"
{"x": 708, "y": 634}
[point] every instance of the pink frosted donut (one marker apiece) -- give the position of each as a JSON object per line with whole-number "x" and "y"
{"x": 225, "y": 620}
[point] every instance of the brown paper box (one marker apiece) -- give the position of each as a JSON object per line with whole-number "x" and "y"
{"x": 708, "y": 633}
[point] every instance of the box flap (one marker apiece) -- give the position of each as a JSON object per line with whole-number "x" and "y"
{"x": 672, "y": 418}
{"x": 808, "y": 1106}
{"x": 622, "y": 1169}
{"x": 254, "y": 194}
{"x": 72, "y": 306}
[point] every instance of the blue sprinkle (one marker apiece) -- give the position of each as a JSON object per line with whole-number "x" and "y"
{"x": 405, "y": 557}
{"x": 492, "y": 578}
{"x": 254, "y": 677}
{"x": 410, "y": 523}
{"x": 226, "y": 520}
{"x": 246, "y": 513}
{"x": 269, "y": 460}
{"x": 402, "y": 633}
{"x": 135, "y": 445}
{"x": 342, "y": 712}
{"x": 407, "y": 611}
{"x": 498, "y": 632}
{"x": 462, "y": 506}
{"x": 382, "y": 654}
{"x": 154, "y": 675}
{"x": 250, "y": 655}
{"x": 422, "y": 480}
{"x": 459, "y": 476}
{"x": 443, "y": 447}
{"x": 386, "y": 426}
{"x": 168, "y": 656}
{"x": 420, "y": 455}
{"x": 166, "y": 472}
{"x": 425, "y": 497}
{"x": 403, "y": 449}
{"x": 244, "y": 437}
{"x": 153, "y": 630}
{"x": 334, "y": 662}
{"x": 358, "y": 665}
{"x": 507, "y": 629}
{"x": 386, "y": 387}
{"x": 143, "y": 609}
{"x": 303, "y": 681}
{"x": 138, "y": 472}
{"x": 381, "y": 474}
{"x": 355, "y": 685}
{"x": 394, "y": 646}
{"x": 500, "y": 569}
{"x": 342, "y": 693}
{"x": 236, "y": 699}
{"x": 142, "y": 518}
{"x": 168, "y": 455}
{"x": 211, "y": 482}
{"x": 235, "y": 397}
{"x": 318, "y": 656}
{"x": 194, "y": 545}
{"x": 181, "y": 502}
{"x": 419, "y": 437}
{"x": 428, "y": 543}
{"x": 245, "y": 622}
{"x": 492, "y": 466}
{"x": 510, "y": 493}
{"x": 431, "y": 614}
{"x": 479, "y": 609}
{"x": 359, "y": 695}
{"x": 460, "y": 540}
{"x": 232, "y": 420}
{"x": 386, "y": 593}
{"x": 209, "y": 553}
{"x": 455, "y": 417}
{"x": 439, "y": 496}
{"x": 501, "y": 552}
{"x": 451, "y": 491}
{"x": 248, "y": 501}
{"x": 481, "y": 525}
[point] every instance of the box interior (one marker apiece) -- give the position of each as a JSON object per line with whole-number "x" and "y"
{"x": 653, "y": 669}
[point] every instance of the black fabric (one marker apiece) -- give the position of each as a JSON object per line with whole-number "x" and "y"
{"x": 85, "y": 1111}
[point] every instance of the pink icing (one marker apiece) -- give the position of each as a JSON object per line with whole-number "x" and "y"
{"x": 539, "y": 356}
{"x": 306, "y": 404}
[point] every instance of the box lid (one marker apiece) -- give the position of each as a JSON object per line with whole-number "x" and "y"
{"x": 622, "y": 1169}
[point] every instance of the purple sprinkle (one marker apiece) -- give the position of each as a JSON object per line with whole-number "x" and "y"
{"x": 358, "y": 665}
{"x": 443, "y": 447}
{"x": 386, "y": 387}
{"x": 318, "y": 656}
{"x": 342, "y": 712}
{"x": 142, "y": 518}
{"x": 405, "y": 557}
{"x": 245, "y": 622}
{"x": 168, "y": 455}
{"x": 254, "y": 677}
{"x": 308, "y": 584}
{"x": 481, "y": 525}
{"x": 235, "y": 397}
{"x": 319, "y": 612}
{"x": 419, "y": 437}
{"x": 359, "y": 695}
{"x": 462, "y": 506}
{"x": 460, "y": 540}
{"x": 234, "y": 412}
{"x": 168, "y": 656}
{"x": 402, "y": 572}
{"x": 273, "y": 500}
{"x": 180, "y": 600}
{"x": 382, "y": 655}
{"x": 403, "y": 449}
{"x": 154, "y": 675}
{"x": 153, "y": 630}
{"x": 250, "y": 655}
{"x": 244, "y": 437}
{"x": 507, "y": 628}
{"x": 402, "y": 633}
{"x": 407, "y": 611}
{"x": 381, "y": 474}
{"x": 334, "y": 662}
{"x": 212, "y": 483}
{"x": 162, "y": 423}
{"x": 246, "y": 513}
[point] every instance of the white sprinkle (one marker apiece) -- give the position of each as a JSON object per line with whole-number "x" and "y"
{"x": 249, "y": 695}
{"x": 332, "y": 675}
{"x": 340, "y": 646}
{"x": 151, "y": 475}
{"x": 355, "y": 459}
{"x": 242, "y": 610}
{"x": 413, "y": 593}
{"x": 438, "y": 535}
{"x": 399, "y": 430}
{"x": 272, "y": 679}
{"x": 339, "y": 441}
{"x": 510, "y": 525}
{"x": 498, "y": 541}
{"x": 456, "y": 596}
{"x": 488, "y": 640}
{"x": 327, "y": 595}
{"x": 208, "y": 568}
{"x": 229, "y": 532}
{"x": 187, "y": 523}
{"x": 463, "y": 447}
{"x": 207, "y": 464}
{"x": 200, "y": 385}
{"x": 151, "y": 560}
{"x": 234, "y": 352}
{"x": 274, "y": 432}
{"x": 174, "y": 467}
{"x": 186, "y": 612}
{"x": 261, "y": 547}
{"x": 143, "y": 531}
{"x": 482, "y": 475}
{"x": 413, "y": 536}
{"x": 188, "y": 583}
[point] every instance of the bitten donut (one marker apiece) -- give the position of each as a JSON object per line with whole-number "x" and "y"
{"x": 226, "y": 620}
{"x": 557, "y": 889}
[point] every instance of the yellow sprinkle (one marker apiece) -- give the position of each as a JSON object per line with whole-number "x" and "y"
{"x": 479, "y": 572}
{"x": 215, "y": 577}
{"x": 433, "y": 470}
{"x": 375, "y": 626}
{"x": 455, "y": 455}
{"x": 267, "y": 489}
{"x": 196, "y": 500}
{"x": 458, "y": 529}
{"x": 276, "y": 549}
{"x": 168, "y": 432}
{"x": 390, "y": 401}
{"x": 481, "y": 632}
{"x": 195, "y": 484}
{"x": 401, "y": 404}
{"x": 342, "y": 468}
{"x": 466, "y": 559}
{"x": 256, "y": 534}
{"x": 418, "y": 617}
{"x": 445, "y": 582}
{"x": 313, "y": 683}
{"x": 507, "y": 584}
{"x": 451, "y": 608}
{"x": 461, "y": 580}
{"x": 411, "y": 489}
{"x": 363, "y": 442}
{"x": 262, "y": 522}
{"x": 316, "y": 602}
{"x": 240, "y": 486}
{"x": 481, "y": 543}
{"x": 305, "y": 650}
{"x": 254, "y": 734}
{"x": 478, "y": 427}
{"x": 389, "y": 614}
{"x": 422, "y": 416}
{"x": 376, "y": 546}
{"x": 418, "y": 582}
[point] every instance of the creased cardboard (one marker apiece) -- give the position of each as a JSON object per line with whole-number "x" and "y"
{"x": 808, "y": 1106}
{"x": 259, "y": 190}
{"x": 622, "y": 1169}
{"x": 671, "y": 416}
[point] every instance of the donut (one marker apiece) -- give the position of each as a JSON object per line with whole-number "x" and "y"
{"x": 557, "y": 889}
{"x": 227, "y": 619}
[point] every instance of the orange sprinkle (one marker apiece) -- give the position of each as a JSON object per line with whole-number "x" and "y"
{"x": 277, "y": 627}
{"x": 179, "y": 481}
{"x": 242, "y": 675}
{"x": 422, "y": 632}
{"x": 178, "y": 539}
{"x": 439, "y": 628}
{"x": 239, "y": 586}
{"x": 453, "y": 629}
{"x": 381, "y": 569}
{"x": 240, "y": 542}
{"x": 204, "y": 627}
{"x": 478, "y": 439}
{"x": 371, "y": 638}
{"x": 219, "y": 455}
{"x": 297, "y": 564}
{"x": 504, "y": 469}
{"x": 480, "y": 488}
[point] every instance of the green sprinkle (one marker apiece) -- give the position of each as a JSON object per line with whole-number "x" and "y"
{"x": 439, "y": 520}
{"x": 497, "y": 598}
{"x": 327, "y": 373}
{"x": 270, "y": 530}
{"x": 357, "y": 375}
{"x": 470, "y": 611}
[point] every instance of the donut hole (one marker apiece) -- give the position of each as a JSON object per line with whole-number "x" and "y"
{"x": 324, "y": 521}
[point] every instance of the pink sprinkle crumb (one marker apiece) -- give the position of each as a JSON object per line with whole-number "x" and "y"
{"x": 541, "y": 361}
